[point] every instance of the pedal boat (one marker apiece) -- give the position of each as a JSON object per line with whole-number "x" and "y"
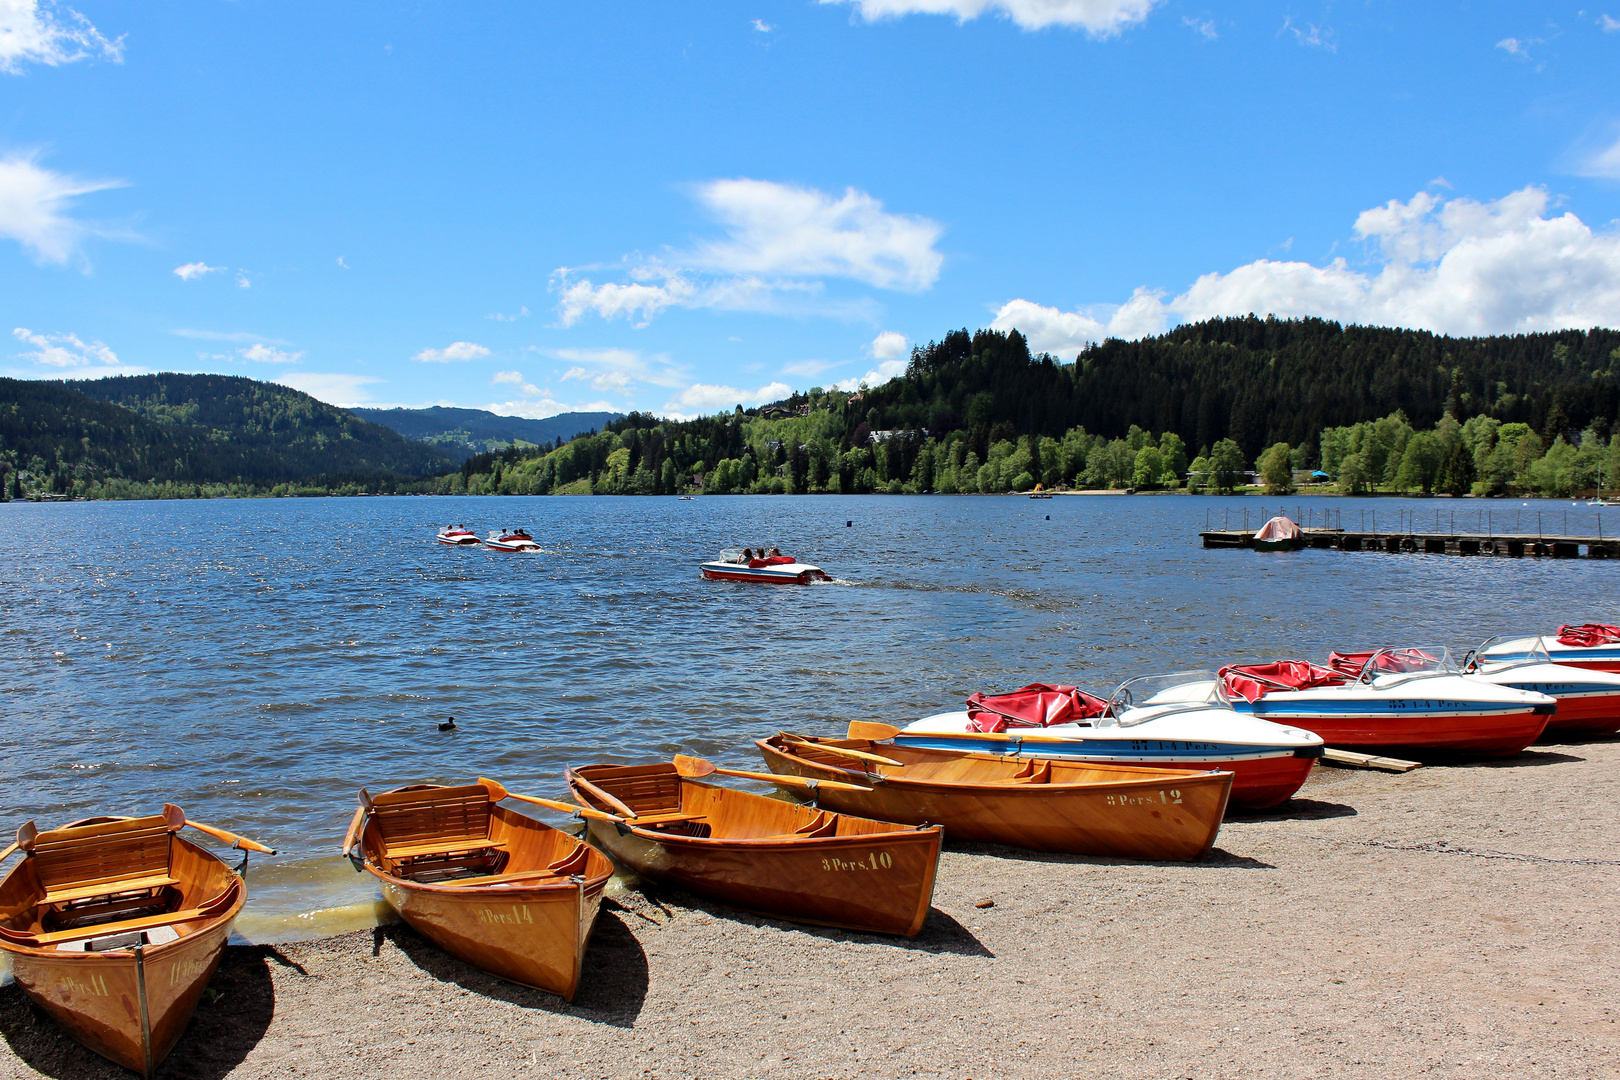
{"x": 1071, "y": 808}
{"x": 1149, "y": 722}
{"x": 505, "y": 893}
{"x": 1588, "y": 699}
{"x": 767, "y": 856}
{"x": 771, "y": 570}
{"x": 456, "y": 536}
{"x": 511, "y": 540}
{"x": 1594, "y": 646}
{"x": 114, "y": 925}
{"x": 1411, "y": 702}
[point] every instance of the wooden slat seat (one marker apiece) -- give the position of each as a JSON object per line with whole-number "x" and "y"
{"x": 649, "y": 794}
{"x": 106, "y": 888}
{"x": 433, "y": 821}
{"x": 665, "y": 819}
{"x": 442, "y": 847}
{"x": 105, "y": 858}
{"x": 123, "y": 926}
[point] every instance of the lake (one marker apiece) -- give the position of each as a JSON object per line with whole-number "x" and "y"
{"x": 258, "y": 661}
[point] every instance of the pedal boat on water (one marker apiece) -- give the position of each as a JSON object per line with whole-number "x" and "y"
{"x": 1279, "y": 534}
{"x": 771, "y": 570}
{"x": 114, "y": 925}
{"x": 511, "y": 540}
{"x": 1178, "y": 721}
{"x": 767, "y": 856}
{"x": 1595, "y": 646}
{"x": 505, "y": 893}
{"x": 1588, "y": 699}
{"x": 1412, "y": 702}
{"x": 458, "y": 536}
{"x": 1071, "y": 808}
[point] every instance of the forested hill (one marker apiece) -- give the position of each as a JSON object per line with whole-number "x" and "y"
{"x": 1255, "y": 381}
{"x": 977, "y": 412}
{"x": 464, "y": 432}
{"x": 267, "y": 433}
{"x": 175, "y": 434}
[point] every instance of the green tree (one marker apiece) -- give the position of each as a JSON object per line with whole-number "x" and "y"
{"x": 1148, "y": 467}
{"x": 1421, "y": 461}
{"x": 1198, "y": 474}
{"x": 1226, "y": 462}
{"x": 1276, "y": 468}
{"x": 1457, "y": 471}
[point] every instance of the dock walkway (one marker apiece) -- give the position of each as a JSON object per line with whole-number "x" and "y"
{"x": 1509, "y": 545}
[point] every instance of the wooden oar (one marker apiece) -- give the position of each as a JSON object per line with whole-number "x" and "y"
{"x": 497, "y": 792}
{"x": 842, "y": 751}
{"x": 600, "y": 794}
{"x": 231, "y": 838}
{"x": 8, "y": 853}
{"x": 696, "y": 768}
{"x": 865, "y": 729}
{"x": 353, "y": 834}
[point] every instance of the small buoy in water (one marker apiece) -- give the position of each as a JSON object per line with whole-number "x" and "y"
{"x": 849, "y": 524}
{"x": 984, "y": 903}
{"x": 1048, "y": 517}
{"x": 448, "y": 725}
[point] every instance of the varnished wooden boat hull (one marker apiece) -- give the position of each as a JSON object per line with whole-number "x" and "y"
{"x": 95, "y": 999}
{"x": 95, "y": 996}
{"x": 850, "y": 872}
{"x": 1085, "y": 809}
{"x": 880, "y": 884}
{"x": 531, "y": 936}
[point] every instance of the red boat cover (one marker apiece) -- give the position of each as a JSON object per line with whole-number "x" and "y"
{"x": 1252, "y": 682}
{"x": 1278, "y": 528}
{"x": 1396, "y": 662}
{"x": 1588, "y": 635}
{"x": 1036, "y": 705}
{"x": 773, "y": 560}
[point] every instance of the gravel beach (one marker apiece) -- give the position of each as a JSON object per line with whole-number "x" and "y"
{"x": 1453, "y": 921}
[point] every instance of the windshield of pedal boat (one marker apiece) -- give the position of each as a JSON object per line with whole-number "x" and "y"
{"x": 1154, "y": 696}
{"x": 730, "y": 555}
{"x": 1397, "y": 665}
{"x": 1508, "y": 651}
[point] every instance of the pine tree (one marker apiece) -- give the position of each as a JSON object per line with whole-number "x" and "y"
{"x": 1457, "y": 473}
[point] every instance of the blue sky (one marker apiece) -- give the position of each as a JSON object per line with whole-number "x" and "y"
{"x": 537, "y": 207}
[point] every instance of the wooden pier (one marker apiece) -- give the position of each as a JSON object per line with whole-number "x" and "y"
{"x": 1513, "y": 546}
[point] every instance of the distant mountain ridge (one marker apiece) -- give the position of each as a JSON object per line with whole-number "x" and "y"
{"x": 465, "y": 432}
{"x": 197, "y": 430}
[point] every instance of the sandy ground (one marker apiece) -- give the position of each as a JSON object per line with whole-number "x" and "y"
{"x": 1453, "y": 921}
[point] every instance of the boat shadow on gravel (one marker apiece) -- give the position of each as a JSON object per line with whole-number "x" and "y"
{"x": 230, "y": 1020}
{"x": 940, "y": 933}
{"x": 1217, "y": 857}
{"x": 1293, "y": 810}
{"x": 1523, "y": 760}
{"x": 613, "y": 978}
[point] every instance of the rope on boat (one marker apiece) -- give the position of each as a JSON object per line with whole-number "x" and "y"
{"x": 1443, "y": 848}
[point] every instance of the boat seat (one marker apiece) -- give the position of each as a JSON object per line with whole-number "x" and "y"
{"x": 664, "y": 819}
{"x": 651, "y": 791}
{"x": 102, "y": 859}
{"x": 426, "y": 821}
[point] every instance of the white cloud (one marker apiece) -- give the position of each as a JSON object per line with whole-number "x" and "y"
{"x": 242, "y": 280}
{"x": 1319, "y": 37}
{"x": 1065, "y": 333}
{"x": 619, "y": 370}
{"x": 456, "y": 350}
{"x": 702, "y": 399}
{"x": 544, "y": 406}
{"x": 31, "y": 31}
{"x": 1609, "y": 24}
{"x": 781, "y": 242}
{"x": 1206, "y": 27}
{"x": 762, "y": 26}
{"x": 34, "y": 202}
{"x": 1100, "y": 18}
{"x": 193, "y": 270}
{"x": 68, "y": 351}
{"x": 1605, "y": 164}
{"x": 785, "y": 230}
{"x": 523, "y": 313}
{"x": 889, "y": 369}
{"x": 343, "y": 264}
{"x": 264, "y": 354}
{"x": 887, "y": 345}
{"x": 1457, "y": 267}
{"x": 344, "y": 391}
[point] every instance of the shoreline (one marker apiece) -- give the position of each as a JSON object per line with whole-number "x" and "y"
{"x": 1456, "y": 920}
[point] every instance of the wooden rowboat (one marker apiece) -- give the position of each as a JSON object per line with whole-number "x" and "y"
{"x": 114, "y": 926}
{"x": 1072, "y": 808}
{"x": 759, "y": 854}
{"x": 506, "y": 893}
